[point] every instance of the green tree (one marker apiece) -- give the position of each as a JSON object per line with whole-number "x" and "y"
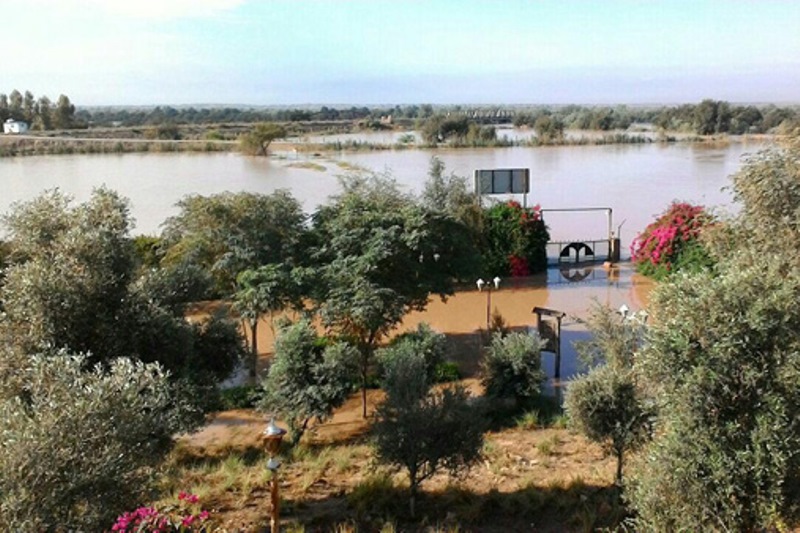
{"x": 549, "y": 129}
{"x": 377, "y": 262}
{"x": 440, "y": 128}
{"x": 455, "y": 219}
{"x": 64, "y": 116}
{"x": 29, "y": 110}
{"x": 721, "y": 357}
{"x": 5, "y": 110}
{"x": 15, "y": 105}
{"x": 257, "y": 141}
{"x": 72, "y": 285}
{"x": 267, "y": 289}
{"x": 451, "y": 195}
{"x": 78, "y": 446}
{"x": 425, "y": 431}
{"x": 308, "y": 378}
{"x": 711, "y": 117}
{"x": 606, "y": 405}
{"x": 512, "y": 368}
{"x": 721, "y": 361}
{"x": 229, "y": 233}
{"x": 44, "y": 119}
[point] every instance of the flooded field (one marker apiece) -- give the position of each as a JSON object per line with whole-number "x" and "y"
{"x": 462, "y": 317}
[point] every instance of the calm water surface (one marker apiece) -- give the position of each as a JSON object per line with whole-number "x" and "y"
{"x": 636, "y": 181}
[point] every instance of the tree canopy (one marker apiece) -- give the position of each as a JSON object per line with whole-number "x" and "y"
{"x": 229, "y": 233}
{"x": 71, "y": 284}
{"x": 721, "y": 362}
{"x": 378, "y": 259}
{"x": 258, "y": 139}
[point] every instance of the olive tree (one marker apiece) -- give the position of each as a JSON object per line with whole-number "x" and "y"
{"x": 606, "y": 404}
{"x": 722, "y": 362}
{"x": 78, "y": 447}
{"x": 421, "y": 430}
{"x": 308, "y": 377}
{"x": 71, "y": 284}
{"x": 424, "y": 341}
{"x": 512, "y": 368}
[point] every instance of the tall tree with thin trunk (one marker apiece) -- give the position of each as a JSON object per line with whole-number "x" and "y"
{"x": 379, "y": 258}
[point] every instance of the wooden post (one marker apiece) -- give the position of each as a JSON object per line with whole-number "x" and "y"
{"x": 275, "y": 520}
{"x": 552, "y": 335}
{"x": 557, "y": 371}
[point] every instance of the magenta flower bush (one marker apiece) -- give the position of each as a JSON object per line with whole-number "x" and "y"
{"x": 671, "y": 243}
{"x": 184, "y": 517}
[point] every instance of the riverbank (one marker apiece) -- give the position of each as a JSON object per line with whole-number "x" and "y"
{"x": 223, "y": 138}
{"x": 17, "y": 146}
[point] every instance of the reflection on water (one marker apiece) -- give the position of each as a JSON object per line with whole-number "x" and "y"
{"x": 462, "y": 317}
{"x": 571, "y": 290}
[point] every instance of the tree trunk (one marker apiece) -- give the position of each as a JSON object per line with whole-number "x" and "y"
{"x": 412, "y": 501}
{"x": 253, "y": 350}
{"x": 364, "y": 366}
{"x": 620, "y": 455}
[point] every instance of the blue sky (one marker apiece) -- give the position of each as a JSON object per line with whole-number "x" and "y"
{"x": 264, "y": 52}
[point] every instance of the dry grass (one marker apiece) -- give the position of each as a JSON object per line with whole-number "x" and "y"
{"x": 546, "y": 479}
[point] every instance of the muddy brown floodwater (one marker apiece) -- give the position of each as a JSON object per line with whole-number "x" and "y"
{"x": 569, "y": 289}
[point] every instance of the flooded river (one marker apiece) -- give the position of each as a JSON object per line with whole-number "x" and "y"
{"x": 636, "y": 181}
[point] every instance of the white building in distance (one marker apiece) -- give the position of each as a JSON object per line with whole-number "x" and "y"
{"x": 14, "y": 126}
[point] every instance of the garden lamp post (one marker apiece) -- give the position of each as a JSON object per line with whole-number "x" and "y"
{"x": 492, "y": 284}
{"x": 273, "y": 435}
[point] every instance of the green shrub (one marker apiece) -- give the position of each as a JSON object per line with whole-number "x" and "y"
{"x": 512, "y": 368}
{"x": 671, "y": 243}
{"x": 308, "y": 379}
{"x": 423, "y": 341}
{"x": 243, "y": 397}
{"x": 446, "y": 372}
{"x": 423, "y": 431}
{"x": 529, "y": 420}
{"x": 722, "y": 359}
{"x": 77, "y": 446}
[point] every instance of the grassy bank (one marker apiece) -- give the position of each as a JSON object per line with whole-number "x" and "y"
{"x": 27, "y": 146}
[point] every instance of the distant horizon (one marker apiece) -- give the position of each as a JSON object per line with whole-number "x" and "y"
{"x": 241, "y": 105}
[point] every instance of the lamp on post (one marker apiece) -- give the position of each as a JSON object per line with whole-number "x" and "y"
{"x": 273, "y": 435}
{"x": 494, "y": 284}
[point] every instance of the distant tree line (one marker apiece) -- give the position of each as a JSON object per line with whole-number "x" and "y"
{"x": 706, "y": 118}
{"x": 40, "y": 113}
{"x": 468, "y": 125}
{"x": 128, "y": 116}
